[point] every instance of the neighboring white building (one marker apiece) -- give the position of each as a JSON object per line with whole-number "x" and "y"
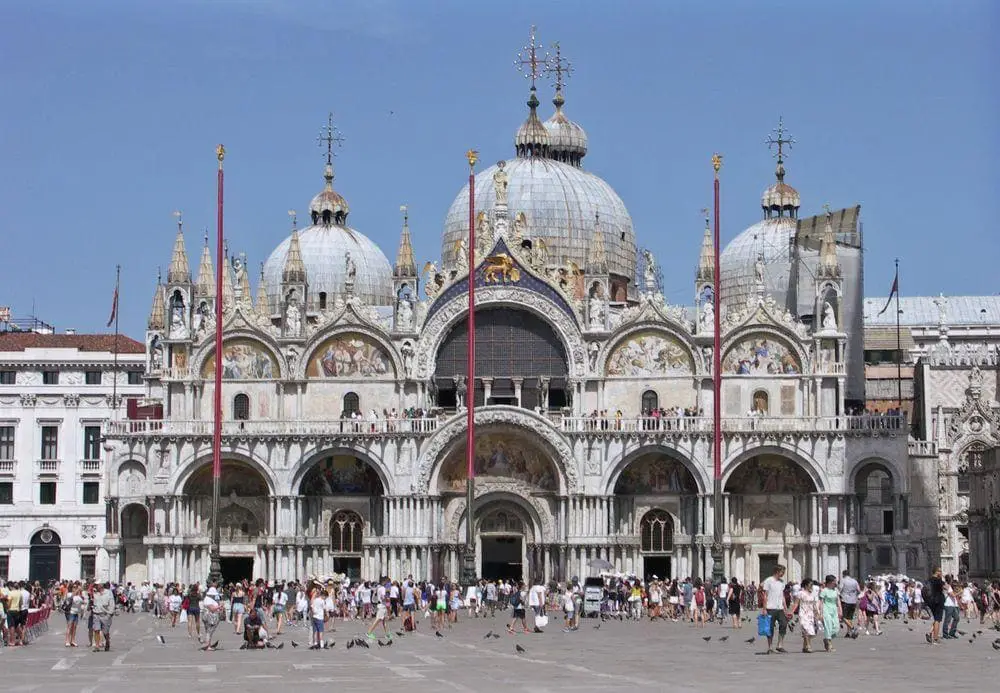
{"x": 55, "y": 399}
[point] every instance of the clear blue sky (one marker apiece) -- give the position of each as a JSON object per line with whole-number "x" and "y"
{"x": 112, "y": 110}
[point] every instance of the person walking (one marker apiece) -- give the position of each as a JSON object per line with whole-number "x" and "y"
{"x": 807, "y": 607}
{"x": 774, "y": 606}
{"x": 850, "y": 592}
{"x": 75, "y": 599}
{"x": 104, "y": 610}
{"x": 934, "y": 599}
{"x": 211, "y": 615}
{"x": 832, "y": 611}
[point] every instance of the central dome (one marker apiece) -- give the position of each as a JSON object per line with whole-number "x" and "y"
{"x": 559, "y": 201}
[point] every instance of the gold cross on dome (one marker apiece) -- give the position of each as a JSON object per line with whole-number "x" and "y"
{"x": 781, "y": 141}
{"x": 330, "y": 136}
{"x": 559, "y": 66}
{"x": 528, "y": 60}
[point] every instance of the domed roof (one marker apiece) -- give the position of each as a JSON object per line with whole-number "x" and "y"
{"x": 559, "y": 200}
{"x": 780, "y": 197}
{"x": 769, "y": 241}
{"x": 324, "y": 247}
{"x": 324, "y": 251}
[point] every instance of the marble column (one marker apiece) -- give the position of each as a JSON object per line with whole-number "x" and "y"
{"x": 518, "y": 384}
{"x": 487, "y": 389}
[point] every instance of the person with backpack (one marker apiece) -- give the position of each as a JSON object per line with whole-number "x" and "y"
{"x": 933, "y": 597}
{"x": 517, "y": 599}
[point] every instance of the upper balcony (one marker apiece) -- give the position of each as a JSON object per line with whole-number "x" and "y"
{"x": 354, "y": 428}
{"x": 690, "y": 425}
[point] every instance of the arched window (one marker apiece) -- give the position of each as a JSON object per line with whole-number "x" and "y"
{"x": 241, "y": 407}
{"x": 657, "y": 532}
{"x": 761, "y": 404}
{"x": 970, "y": 461}
{"x": 352, "y": 404}
{"x": 650, "y": 402}
{"x": 346, "y": 532}
{"x": 322, "y": 300}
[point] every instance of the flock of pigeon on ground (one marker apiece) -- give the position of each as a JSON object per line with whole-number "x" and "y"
{"x": 491, "y": 635}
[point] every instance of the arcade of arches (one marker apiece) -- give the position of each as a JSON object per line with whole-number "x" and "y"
{"x": 656, "y": 519}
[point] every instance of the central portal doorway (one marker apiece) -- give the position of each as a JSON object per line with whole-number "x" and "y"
{"x": 502, "y": 556}
{"x": 767, "y": 562}
{"x": 236, "y": 568}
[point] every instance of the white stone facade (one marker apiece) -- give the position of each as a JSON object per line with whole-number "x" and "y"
{"x": 55, "y": 402}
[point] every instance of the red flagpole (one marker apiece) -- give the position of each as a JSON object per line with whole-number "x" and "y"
{"x": 469, "y": 563}
{"x": 718, "y": 515}
{"x": 215, "y": 572}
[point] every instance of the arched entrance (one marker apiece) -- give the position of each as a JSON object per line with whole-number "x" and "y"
{"x": 342, "y": 497}
{"x": 244, "y": 516}
{"x": 655, "y": 487}
{"x": 501, "y": 530}
{"x": 134, "y": 528}
{"x": 769, "y": 512}
{"x": 44, "y": 556}
{"x": 873, "y": 485}
{"x": 519, "y": 357}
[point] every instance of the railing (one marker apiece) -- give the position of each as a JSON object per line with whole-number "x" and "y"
{"x": 922, "y": 448}
{"x": 351, "y": 427}
{"x": 742, "y": 424}
{"x": 90, "y": 465}
{"x": 7, "y": 466}
{"x": 48, "y": 466}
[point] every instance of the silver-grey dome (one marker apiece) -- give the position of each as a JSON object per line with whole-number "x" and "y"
{"x": 559, "y": 200}
{"x": 324, "y": 252}
{"x": 771, "y": 239}
{"x": 566, "y": 138}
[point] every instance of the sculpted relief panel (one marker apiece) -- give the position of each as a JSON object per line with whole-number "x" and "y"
{"x": 349, "y": 356}
{"x": 650, "y": 353}
{"x": 761, "y": 355}
{"x": 242, "y": 359}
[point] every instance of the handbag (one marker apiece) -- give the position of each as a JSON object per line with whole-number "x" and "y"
{"x": 541, "y": 621}
{"x": 765, "y": 625}
{"x": 184, "y": 617}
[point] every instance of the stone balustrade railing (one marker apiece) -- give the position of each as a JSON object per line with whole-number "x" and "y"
{"x": 265, "y": 427}
{"x": 922, "y": 448}
{"x": 731, "y": 424}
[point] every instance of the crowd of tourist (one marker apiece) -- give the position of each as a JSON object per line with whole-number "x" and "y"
{"x": 261, "y": 611}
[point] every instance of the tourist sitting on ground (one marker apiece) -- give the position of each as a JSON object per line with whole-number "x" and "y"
{"x": 254, "y": 635}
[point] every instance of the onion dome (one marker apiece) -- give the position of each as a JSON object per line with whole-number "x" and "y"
{"x": 329, "y": 206}
{"x": 567, "y": 140}
{"x": 780, "y": 199}
{"x": 532, "y": 138}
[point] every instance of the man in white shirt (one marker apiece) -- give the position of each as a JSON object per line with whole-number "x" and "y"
{"x": 318, "y": 609}
{"x": 774, "y": 606}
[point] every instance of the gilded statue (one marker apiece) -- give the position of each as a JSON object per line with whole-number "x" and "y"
{"x": 500, "y": 269}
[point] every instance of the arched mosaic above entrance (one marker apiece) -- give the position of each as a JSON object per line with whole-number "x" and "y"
{"x": 770, "y": 474}
{"x": 761, "y": 355}
{"x": 650, "y": 353}
{"x": 341, "y": 475}
{"x": 237, "y": 478}
{"x": 501, "y": 457}
{"x": 242, "y": 359}
{"x": 349, "y": 355}
{"x": 655, "y": 473}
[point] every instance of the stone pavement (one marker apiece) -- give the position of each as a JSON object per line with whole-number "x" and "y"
{"x": 623, "y": 656}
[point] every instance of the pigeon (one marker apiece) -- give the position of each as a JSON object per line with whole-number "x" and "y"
{"x": 488, "y": 635}
{"x": 400, "y": 633}
{"x": 280, "y": 645}
{"x": 519, "y": 649}
{"x": 910, "y": 629}
{"x": 381, "y": 644}
{"x": 215, "y": 645}
{"x": 389, "y": 644}
{"x": 363, "y": 644}
{"x": 243, "y": 646}
{"x": 496, "y": 636}
{"x": 437, "y": 634}
{"x": 350, "y": 644}
{"x": 751, "y": 641}
{"x": 972, "y": 640}
{"x": 724, "y": 638}
{"x": 597, "y": 627}
{"x": 160, "y": 639}
{"x": 329, "y": 645}
{"x": 961, "y": 632}
{"x": 294, "y": 644}
{"x": 707, "y": 638}
{"x": 996, "y": 646}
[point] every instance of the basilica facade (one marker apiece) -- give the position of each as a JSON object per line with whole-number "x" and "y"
{"x": 344, "y": 392}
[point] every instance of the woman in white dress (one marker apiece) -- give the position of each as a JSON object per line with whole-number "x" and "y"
{"x": 808, "y": 609}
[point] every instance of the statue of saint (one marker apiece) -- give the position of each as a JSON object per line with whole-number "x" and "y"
{"x": 293, "y": 316}
{"x": 500, "y": 183}
{"x": 706, "y": 318}
{"x": 596, "y": 312}
{"x": 829, "y": 318}
{"x": 649, "y": 274}
{"x": 404, "y": 314}
{"x": 178, "y": 325}
{"x": 407, "y": 351}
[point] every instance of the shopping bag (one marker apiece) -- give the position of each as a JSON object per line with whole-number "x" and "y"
{"x": 184, "y": 617}
{"x": 764, "y": 625}
{"x": 541, "y": 621}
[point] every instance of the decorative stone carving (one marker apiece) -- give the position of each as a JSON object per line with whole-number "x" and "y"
{"x": 71, "y": 400}
{"x": 88, "y": 531}
{"x": 430, "y": 457}
{"x": 28, "y": 399}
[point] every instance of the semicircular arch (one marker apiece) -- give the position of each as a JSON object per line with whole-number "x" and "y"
{"x": 247, "y": 354}
{"x": 763, "y": 350}
{"x": 663, "y": 450}
{"x": 648, "y": 349}
{"x": 349, "y": 351}
{"x": 320, "y": 454}
{"x": 862, "y": 468}
{"x": 441, "y": 323}
{"x": 812, "y": 471}
{"x": 185, "y": 471}
{"x": 537, "y": 429}
{"x": 531, "y": 511}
